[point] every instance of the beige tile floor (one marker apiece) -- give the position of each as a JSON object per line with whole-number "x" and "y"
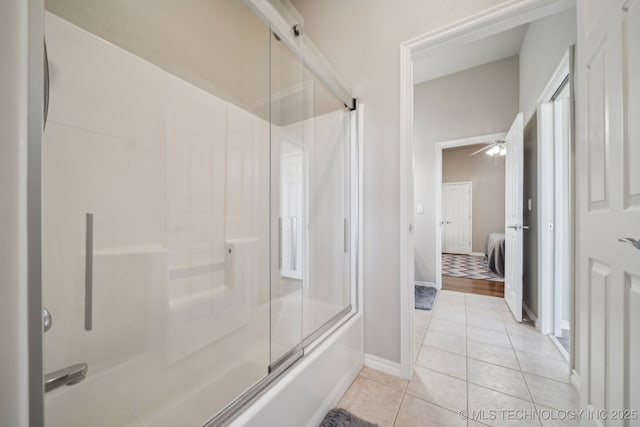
{"x": 471, "y": 356}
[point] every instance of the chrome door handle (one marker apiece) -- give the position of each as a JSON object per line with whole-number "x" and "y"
{"x": 449, "y": 222}
{"x": 70, "y": 375}
{"x": 524, "y": 227}
{"x": 514, "y": 227}
{"x": 633, "y": 242}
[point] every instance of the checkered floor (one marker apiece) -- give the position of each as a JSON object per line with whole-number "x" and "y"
{"x": 468, "y": 266}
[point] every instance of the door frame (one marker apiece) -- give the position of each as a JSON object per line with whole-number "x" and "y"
{"x": 546, "y": 208}
{"x": 440, "y": 147}
{"x": 490, "y": 22}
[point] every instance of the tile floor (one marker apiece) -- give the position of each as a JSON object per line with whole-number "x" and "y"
{"x": 471, "y": 356}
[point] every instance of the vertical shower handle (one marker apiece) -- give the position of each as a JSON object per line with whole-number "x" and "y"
{"x": 294, "y": 243}
{"x": 88, "y": 274}
{"x": 279, "y": 243}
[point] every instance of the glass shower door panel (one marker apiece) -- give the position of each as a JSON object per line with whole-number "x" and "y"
{"x": 156, "y": 210}
{"x": 328, "y": 142}
{"x": 288, "y": 202}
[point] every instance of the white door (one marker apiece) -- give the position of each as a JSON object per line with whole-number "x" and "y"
{"x": 608, "y": 208}
{"x": 514, "y": 182}
{"x": 456, "y": 218}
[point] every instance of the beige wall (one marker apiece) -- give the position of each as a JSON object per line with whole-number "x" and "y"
{"x": 362, "y": 39}
{"x": 486, "y": 174}
{"x": 197, "y": 41}
{"x": 478, "y": 101}
{"x": 544, "y": 45}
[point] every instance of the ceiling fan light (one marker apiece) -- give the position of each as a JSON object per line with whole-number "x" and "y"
{"x": 493, "y": 151}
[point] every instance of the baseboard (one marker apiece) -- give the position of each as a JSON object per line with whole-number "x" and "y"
{"x": 477, "y": 253}
{"x": 561, "y": 349}
{"x": 382, "y": 365}
{"x": 529, "y": 312}
{"x": 575, "y": 380}
{"x": 418, "y": 282}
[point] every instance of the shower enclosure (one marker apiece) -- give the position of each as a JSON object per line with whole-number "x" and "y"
{"x": 197, "y": 216}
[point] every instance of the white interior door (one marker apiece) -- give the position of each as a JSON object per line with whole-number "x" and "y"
{"x": 608, "y": 208}
{"x": 513, "y": 217}
{"x": 456, "y": 218}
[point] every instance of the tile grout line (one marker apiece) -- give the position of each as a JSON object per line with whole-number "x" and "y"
{"x": 395, "y": 418}
{"x": 431, "y": 403}
{"x": 524, "y": 379}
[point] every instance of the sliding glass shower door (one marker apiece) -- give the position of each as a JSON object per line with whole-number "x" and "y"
{"x": 196, "y": 209}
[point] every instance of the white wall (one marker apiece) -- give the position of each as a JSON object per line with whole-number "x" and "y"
{"x": 544, "y": 45}
{"x": 362, "y": 39}
{"x": 14, "y": 409}
{"x": 477, "y": 101}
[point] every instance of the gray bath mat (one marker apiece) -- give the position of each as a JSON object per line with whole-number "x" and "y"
{"x": 425, "y": 296}
{"x": 339, "y": 417}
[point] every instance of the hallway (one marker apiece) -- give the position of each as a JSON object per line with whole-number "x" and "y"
{"x": 471, "y": 356}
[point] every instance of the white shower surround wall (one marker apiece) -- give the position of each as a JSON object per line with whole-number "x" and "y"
{"x": 121, "y": 125}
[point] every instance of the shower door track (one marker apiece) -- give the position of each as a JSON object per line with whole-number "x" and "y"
{"x": 279, "y": 368}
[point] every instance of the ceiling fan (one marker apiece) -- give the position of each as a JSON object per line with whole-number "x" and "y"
{"x": 494, "y": 148}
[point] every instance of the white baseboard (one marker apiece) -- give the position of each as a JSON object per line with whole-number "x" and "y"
{"x": 382, "y": 365}
{"x": 561, "y": 349}
{"x": 575, "y": 380}
{"x": 477, "y": 253}
{"x": 529, "y": 312}
{"x": 418, "y": 282}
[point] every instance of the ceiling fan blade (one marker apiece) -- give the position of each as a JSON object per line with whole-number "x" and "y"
{"x": 486, "y": 147}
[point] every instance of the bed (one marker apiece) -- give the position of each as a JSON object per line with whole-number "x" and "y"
{"x": 494, "y": 252}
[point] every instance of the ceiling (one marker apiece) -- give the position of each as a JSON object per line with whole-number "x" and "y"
{"x": 451, "y": 60}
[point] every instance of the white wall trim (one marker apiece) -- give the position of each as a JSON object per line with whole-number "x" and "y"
{"x": 407, "y": 215}
{"x": 431, "y": 284}
{"x": 382, "y": 365}
{"x": 546, "y": 195}
{"x": 477, "y": 253}
{"x": 560, "y": 348}
{"x": 545, "y": 201}
{"x": 440, "y": 146}
{"x": 575, "y": 380}
{"x": 494, "y": 20}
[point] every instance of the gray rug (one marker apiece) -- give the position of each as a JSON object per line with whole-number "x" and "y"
{"x": 339, "y": 417}
{"x": 425, "y": 296}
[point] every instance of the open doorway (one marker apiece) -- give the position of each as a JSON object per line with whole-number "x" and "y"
{"x": 477, "y": 87}
{"x": 470, "y": 214}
